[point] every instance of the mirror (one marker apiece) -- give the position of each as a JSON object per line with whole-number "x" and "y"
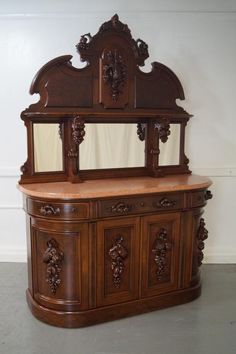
{"x": 169, "y": 151}
{"x": 111, "y": 146}
{"x": 48, "y": 150}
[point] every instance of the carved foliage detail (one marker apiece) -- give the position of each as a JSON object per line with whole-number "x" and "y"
{"x": 117, "y": 253}
{"x": 78, "y": 130}
{"x": 163, "y": 130}
{"x": 160, "y": 249}
{"x": 141, "y": 129}
{"x": 53, "y": 257}
{"x": 115, "y": 24}
{"x": 142, "y": 48}
{"x": 121, "y": 208}
{"x": 84, "y": 42}
{"x": 202, "y": 235}
{"x": 114, "y": 73}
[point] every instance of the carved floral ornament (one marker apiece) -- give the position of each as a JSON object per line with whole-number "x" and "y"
{"x": 117, "y": 253}
{"x": 160, "y": 249}
{"x": 114, "y": 72}
{"x": 53, "y": 258}
{"x": 202, "y": 235}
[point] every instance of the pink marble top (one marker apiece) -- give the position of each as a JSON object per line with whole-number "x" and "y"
{"x": 114, "y": 187}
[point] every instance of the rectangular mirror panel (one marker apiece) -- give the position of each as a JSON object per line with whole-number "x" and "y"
{"x": 111, "y": 146}
{"x": 169, "y": 151}
{"x": 48, "y": 150}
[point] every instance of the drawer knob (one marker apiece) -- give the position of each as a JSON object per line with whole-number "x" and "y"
{"x": 49, "y": 210}
{"x": 165, "y": 203}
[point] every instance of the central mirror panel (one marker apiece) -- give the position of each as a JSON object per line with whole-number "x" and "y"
{"x": 111, "y": 146}
{"x": 48, "y": 151}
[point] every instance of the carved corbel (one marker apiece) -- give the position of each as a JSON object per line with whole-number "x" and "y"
{"x": 163, "y": 128}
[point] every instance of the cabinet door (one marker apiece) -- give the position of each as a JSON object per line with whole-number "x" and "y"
{"x": 160, "y": 253}
{"x": 59, "y": 261}
{"x": 117, "y": 260}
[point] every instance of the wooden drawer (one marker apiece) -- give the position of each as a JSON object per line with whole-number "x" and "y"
{"x": 51, "y": 210}
{"x": 199, "y": 198}
{"x": 128, "y": 206}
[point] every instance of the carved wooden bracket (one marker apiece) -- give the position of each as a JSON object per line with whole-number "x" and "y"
{"x": 118, "y": 254}
{"x": 114, "y": 73}
{"x": 163, "y": 130}
{"x": 202, "y": 235}
{"x": 53, "y": 257}
{"x": 141, "y": 129}
{"x": 208, "y": 195}
{"x": 49, "y": 210}
{"x": 160, "y": 249}
{"x": 78, "y": 130}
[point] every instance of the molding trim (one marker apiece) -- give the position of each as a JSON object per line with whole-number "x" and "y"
{"x": 13, "y": 255}
{"x": 219, "y": 258}
{"x": 227, "y": 171}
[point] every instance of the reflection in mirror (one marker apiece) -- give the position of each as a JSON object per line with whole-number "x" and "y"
{"x": 48, "y": 150}
{"x": 111, "y": 146}
{"x": 169, "y": 151}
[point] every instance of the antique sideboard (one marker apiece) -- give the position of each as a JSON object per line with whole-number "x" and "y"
{"x": 105, "y": 243}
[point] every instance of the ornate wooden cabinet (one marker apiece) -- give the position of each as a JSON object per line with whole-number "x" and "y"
{"x": 120, "y": 241}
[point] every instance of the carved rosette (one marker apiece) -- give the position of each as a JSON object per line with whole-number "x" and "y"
{"x": 53, "y": 258}
{"x": 117, "y": 254}
{"x": 202, "y": 235}
{"x": 160, "y": 249}
{"x": 163, "y": 130}
{"x": 114, "y": 73}
{"x": 141, "y": 129}
{"x": 78, "y": 130}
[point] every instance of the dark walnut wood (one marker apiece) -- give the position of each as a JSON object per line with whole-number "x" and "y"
{"x": 110, "y": 89}
{"x": 131, "y": 241}
{"x": 100, "y": 258}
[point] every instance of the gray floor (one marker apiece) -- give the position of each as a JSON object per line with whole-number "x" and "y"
{"x": 205, "y": 326}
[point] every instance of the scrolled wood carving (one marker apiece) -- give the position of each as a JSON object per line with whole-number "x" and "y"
{"x": 117, "y": 253}
{"x": 163, "y": 130}
{"x": 78, "y": 130}
{"x": 160, "y": 249}
{"x": 202, "y": 235}
{"x": 165, "y": 203}
{"x": 142, "y": 48}
{"x": 121, "y": 208}
{"x": 49, "y": 210}
{"x": 114, "y": 73}
{"x": 208, "y": 195}
{"x": 84, "y": 42}
{"x": 53, "y": 257}
{"x": 141, "y": 129}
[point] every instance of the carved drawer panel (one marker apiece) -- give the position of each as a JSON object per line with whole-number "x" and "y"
{"x": 58, "y": 210}
{"x": 127, "y": 206}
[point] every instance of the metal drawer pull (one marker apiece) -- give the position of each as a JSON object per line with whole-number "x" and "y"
{"x": 49, "y": 210}
{"x": 165, "y": 203}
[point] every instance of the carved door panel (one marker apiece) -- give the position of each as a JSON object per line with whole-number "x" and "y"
{"x": 56, "y": 256}
{"x": 160, "y": 253}
{"x": 117, "y": 260}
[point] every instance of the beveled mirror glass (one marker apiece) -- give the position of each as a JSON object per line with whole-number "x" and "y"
{"x": 169, "y": 151}
{"x": 111, "y": 146}
{"x": 48, "y": 150}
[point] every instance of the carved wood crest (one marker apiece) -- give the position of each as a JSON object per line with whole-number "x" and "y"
{"x": 53, "y": 257}
{"x": 117, "y": 253}
{"x": 160, "y": 249}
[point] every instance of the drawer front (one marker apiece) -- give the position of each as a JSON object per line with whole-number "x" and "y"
{"x": 198, "y": 198}
{"x": 67, "y": 211}
{"x": 127, "y": 206}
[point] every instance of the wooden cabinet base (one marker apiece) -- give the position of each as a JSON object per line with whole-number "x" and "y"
{"x": 92, "y": 260}
{"x": 113, "y": 312}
